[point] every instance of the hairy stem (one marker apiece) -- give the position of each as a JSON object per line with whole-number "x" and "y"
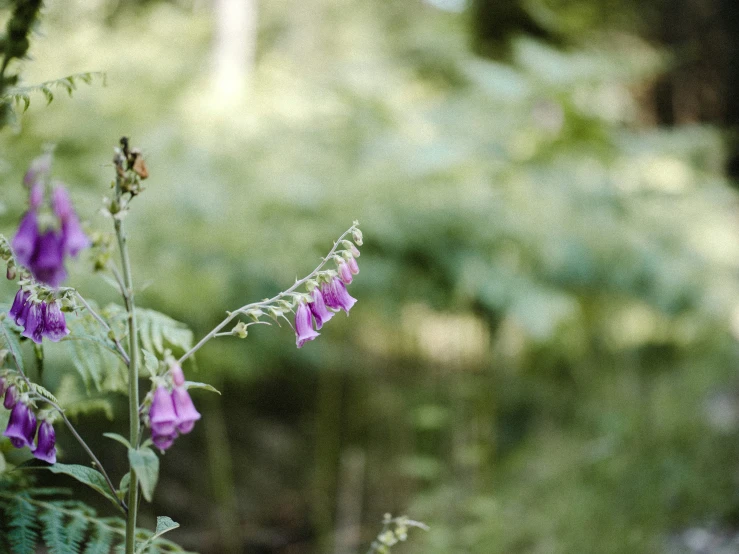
{"x": 59, "y": 409}
{"x": 133, "y": 369}
{"x": 264, "y": 303}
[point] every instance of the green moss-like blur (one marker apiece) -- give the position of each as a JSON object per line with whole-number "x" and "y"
{"x": 543, "y": 355}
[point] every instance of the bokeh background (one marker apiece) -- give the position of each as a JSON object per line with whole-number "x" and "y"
{"x": 544, "y": 354}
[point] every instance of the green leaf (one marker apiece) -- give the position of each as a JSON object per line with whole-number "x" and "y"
{"x": 94, "y": 355}
{"x": 124, "y": 486}
{"x": 119, "y": 438}
{"x": 43, "y": 392}
{"x": 86, "y": 475}
{"x": 205, "y": 386}
{"x": 151, "y": 362}
{"x": 164, "y": 525}
{"x": 53, "y": 532}
{"x": 23, "y": 526}
{"x": 11, "y": 341}
{"x": 146, "y": 465}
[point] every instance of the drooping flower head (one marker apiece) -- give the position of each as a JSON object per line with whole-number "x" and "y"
{"x": 21, "y": 427}
{"x": 162, "y": 413}
{"x": 318, "y": 309}
{"x": 47, "y": 263}
{"x": 55, "y": 326}
{"x": 344, "y": 272}
{"x": 187, "y": 415}
{"x": 19, "y": 303}
{"x": 35, "y": 322}
{"x": 336, "y": 296}
{"x": 11, "y": 397}
{"x": 73, "y": 237}
{"x": 304, "y": 324}
{"x": 46, "y": 443}
{"x": 24, "y": 242}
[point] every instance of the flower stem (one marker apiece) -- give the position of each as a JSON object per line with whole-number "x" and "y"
{"x": 133, "y": 369}
{"x": 215, "y": 332}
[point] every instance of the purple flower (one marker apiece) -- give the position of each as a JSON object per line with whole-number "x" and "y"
{"x": 46, "y": 443}
{"x": 344, "y": 272}
{"x": 73, "y": 237}
{"x": 336, "y": 296}
{"x": 162, "y": 413}
{"x": 24, "y": 242}
{"x": 47, "y": 264}
{"x": 55, "y": 326}
{"x": 36, "y": 197}
{"x": 319, "y": 310}
{"x": 34, "y": 324}
{"x": 19, "y": 303}
{"x": 187, "y": 415}
{"x": 178, "y": 378}
{"x": 162, "y": 442}
{"x": 11, "y": 397}
{"x": 353, "y": 267}
{"x": 21, "y": 426}
{"x": 304, "y": 325}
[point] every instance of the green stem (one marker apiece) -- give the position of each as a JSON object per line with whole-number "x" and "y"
{"x": 133, "y": 376}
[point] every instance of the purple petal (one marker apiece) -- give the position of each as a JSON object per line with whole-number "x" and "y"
{"x": 162, "y": 414}
{"x": 55, "y": 326}
{"x": 47, "y": 264}
{"x": 73, "y": 237}
{"x": 36, "y": 197}
{"x": 187, "y": 415}
{"x": 21, "y": 298}
{"x": 319, "y": 310}
{"x": 26, "y": 239}
{"x": 340, "y": 298}
{"x": 21, "y": 426}
{"x": 178, "y": 377}
{"x": 304, "y": 325}
{"x": 34, "y": 326}
{"x": 162, "y": 442}
{"x": 345, "y": 273}
{"x": 11, "y": 397}
{"x": 353, "y": 267}
{"x": 46, "y": 443}
{"x": 61, "y": 203}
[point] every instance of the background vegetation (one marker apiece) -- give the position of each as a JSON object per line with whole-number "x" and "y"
{"x": 543, "y": 357}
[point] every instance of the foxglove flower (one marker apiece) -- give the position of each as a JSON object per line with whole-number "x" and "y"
{"x": 336, "y": 296}
{"x": 11, "y": 397}
{"x": 162, "y": 413}
{"x": 187, "y": 415}
{"x": 319, "y": 310}
{"x": 46, "y": 444}
{"x": 304, "y": 325}
{"x": 24, "y": 242}
{"x": 36, "y": 198}
{"x": 21, "y": 426}
{"x": 73, "y": 238}
{"x": 35, "y": 321}
{"x": 344, "y": 272}
{"x": 47, "y": 264}
{"x": 55, "y": 326}
{"x": 353, "y": 267}
{"x": 19, "y": 303}
{"x": 162, "y": 442}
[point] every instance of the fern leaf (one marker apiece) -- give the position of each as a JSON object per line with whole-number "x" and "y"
{"x": 93, "y": 354}
{"x": 53, "y": 532}
{"x": 23, "y": 527}
{"x": 101, "y": 540}
{"x": 23, "y": 93}
{"x": 76, "y": 529}
{"x": 43, "y": 392}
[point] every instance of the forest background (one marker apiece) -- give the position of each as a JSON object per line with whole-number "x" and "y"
{"x": 544, "y": 353}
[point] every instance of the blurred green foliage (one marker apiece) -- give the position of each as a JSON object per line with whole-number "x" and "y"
{"x": 543, "y": 354}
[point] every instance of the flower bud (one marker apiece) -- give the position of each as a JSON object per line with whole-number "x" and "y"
{"x": 46, "y": 443}
{"x": 11, "y": 272}
{"x": 240, "y": 330}
{"x": 178, "y": 377}
{"x": 357, "y": 236}
{"x": 11, "y": 397}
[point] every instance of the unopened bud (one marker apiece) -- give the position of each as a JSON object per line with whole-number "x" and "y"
{"x": 11, "y": 273}
{"x": 357, "y": 236}
{"x": 240, "y": 330}
{"x": 178, "y": 377}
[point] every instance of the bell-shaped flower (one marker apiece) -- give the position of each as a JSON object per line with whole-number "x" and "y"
{"x": 187, "y": 415}
{"x": 344, "y": 272}
{"x": 19, "y": 303}
{"x": 47, "y": 264}
{"x": 55, "y": 326}
{"x": 353, "y": 267}
{"x": 319, "y": 310}
{"x": 46, "y": 443}
{"x": 21, "y": 427}
{"x": 178, "y": 377}
{"x": 304, "y": 325}
{"x": 162, "y": 442}
{"x": 26, "y": 238}
{"x": 11, "y": 397}
{"x": 73, "y": 237}
{"x": 35, "y": 321}
{"x": 336, "y": 296}
{"x": 162, "y": 414}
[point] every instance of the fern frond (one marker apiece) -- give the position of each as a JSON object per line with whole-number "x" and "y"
{"x": 22, "y": 94}
{"x": 23, "y": 527}
{"x": 53, "y": 531}
{"x": 156, "y": 330}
